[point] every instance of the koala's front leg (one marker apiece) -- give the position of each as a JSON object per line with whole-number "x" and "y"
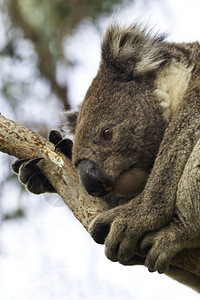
{"x": 184, "y": 230}
{"x": 115, "y": 228}
{"x": 29, "y": 173}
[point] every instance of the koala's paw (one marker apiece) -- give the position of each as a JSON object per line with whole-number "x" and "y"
{"x": 160, "y": 251}
{"x": 115, "y": 229}
{"x": 64, "y": 145}
{"x": 29, "y": 173}
{"x": 31, "y": 176}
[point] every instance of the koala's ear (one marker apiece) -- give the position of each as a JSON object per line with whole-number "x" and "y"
{"x": 133, "y": 50}
{"x": 68, "y": 122}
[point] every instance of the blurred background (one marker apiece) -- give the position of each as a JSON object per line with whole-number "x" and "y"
{"x": 49, "y": 53}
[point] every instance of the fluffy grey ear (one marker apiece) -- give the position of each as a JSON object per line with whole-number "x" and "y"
{"x": 132, "y": 49}
{"x": 68, "y": 122}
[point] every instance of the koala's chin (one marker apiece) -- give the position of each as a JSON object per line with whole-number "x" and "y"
{"x": 130, "y": 181}
{"x": 128, "y": 185}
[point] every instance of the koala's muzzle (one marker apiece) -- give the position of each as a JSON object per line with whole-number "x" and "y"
{"x": 93, "y": 179}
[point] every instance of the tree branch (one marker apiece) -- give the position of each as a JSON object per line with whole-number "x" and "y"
{"x": 21, "y": 142}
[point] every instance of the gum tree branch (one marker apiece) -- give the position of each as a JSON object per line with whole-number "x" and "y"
{"x": 21, "y": 142}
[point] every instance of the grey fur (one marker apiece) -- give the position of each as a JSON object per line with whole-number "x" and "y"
{"x": 68, "y": 122}
{"x": 133, "y": 50}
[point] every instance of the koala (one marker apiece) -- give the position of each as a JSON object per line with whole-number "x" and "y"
{"x": 137, "y": 139}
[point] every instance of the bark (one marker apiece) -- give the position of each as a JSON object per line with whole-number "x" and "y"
{"x": 21, "y": 142}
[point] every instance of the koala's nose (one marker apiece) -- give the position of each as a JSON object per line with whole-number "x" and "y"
{"x": 93, "y": 179}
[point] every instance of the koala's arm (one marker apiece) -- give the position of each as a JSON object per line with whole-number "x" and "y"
{"x": 162, "y": 203}
{"x": 183, "y": 231}
{"x": 31, "y": 176}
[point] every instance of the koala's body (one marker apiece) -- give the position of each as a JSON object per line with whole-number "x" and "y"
{"x": 141, "y": 119}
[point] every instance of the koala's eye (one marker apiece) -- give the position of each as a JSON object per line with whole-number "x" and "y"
{"x": 106, "y": 133}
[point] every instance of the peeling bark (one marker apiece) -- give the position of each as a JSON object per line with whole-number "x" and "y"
{"x": 21, "y": 142}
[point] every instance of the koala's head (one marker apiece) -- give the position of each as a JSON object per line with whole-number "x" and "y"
{"x": 120, "y": 125}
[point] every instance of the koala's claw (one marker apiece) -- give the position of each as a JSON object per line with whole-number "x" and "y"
{"x": 113, "y": 229}
{"x": 55, "y": 136}
{"x": 33, "y": 162}
{"x": 99, "y": 229}
{"x": 27, "y": 169}
{"x": 65, "y": 146}
{"x": 31, "y": 176}
{"x": 120, "y": 248}
{"x": 158, "y": 255}
{"x": 157, "y": 261}
{"x": 17, "y": 164}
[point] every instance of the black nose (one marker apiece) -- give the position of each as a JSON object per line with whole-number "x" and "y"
{"x": 93, "y": 179}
